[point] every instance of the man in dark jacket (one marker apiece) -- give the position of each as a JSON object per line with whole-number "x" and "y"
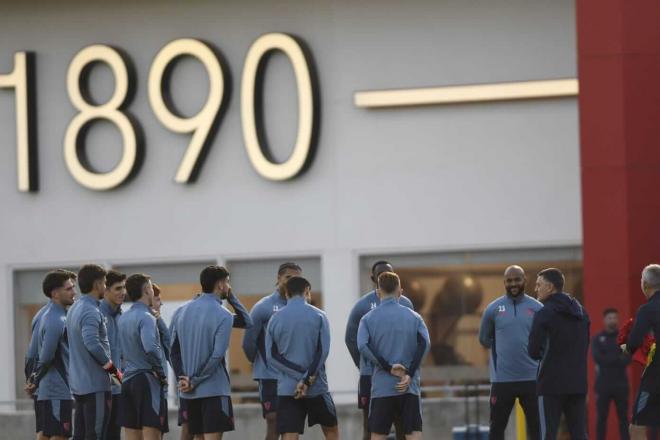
{"x": 611, "y": 375}
{"x": 646, "y": 411}
{"x": 560, "y": 340}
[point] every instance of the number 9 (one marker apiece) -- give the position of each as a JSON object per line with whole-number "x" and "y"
{"x": 203, "y": 124}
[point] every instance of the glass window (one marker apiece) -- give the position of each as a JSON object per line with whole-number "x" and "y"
{"x": 451, "y": 290}
{"x": 251, "y": 280}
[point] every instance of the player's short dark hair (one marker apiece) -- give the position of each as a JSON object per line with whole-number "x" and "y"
{"x": 609, "y": 310}
{"x": 379, "y": 263}
{"x": 289, "y": 265}
{"x": 134, "y": 285}
{"x": 88, "y": 274}
{"x": 210, "y": 276}
{"x": 388, "y": 282}
{"x": 114, "y": 277}
{"x": 554, "y": 277}
{"x": 296, "y": 286}
{"x": 56, "y": 279}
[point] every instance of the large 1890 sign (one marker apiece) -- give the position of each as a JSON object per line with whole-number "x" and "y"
{"x": 201, "y": 127}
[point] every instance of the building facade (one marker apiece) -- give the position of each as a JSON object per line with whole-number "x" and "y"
{"x": 451, "y": 193}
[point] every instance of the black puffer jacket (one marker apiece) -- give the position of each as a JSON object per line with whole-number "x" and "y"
{"x": 647, "y": 321}
{"x": 560, "y": 340}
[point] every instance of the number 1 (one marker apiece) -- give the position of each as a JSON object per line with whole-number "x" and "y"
{"x": 21, "y": 79}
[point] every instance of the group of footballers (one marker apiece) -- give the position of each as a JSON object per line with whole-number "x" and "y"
{"x": 112, "y": 366}
{"x": 108, "y": 368}
{"x": 539, "y": 350}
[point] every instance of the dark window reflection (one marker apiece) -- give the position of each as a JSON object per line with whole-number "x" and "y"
{"x": 452, "y": 299}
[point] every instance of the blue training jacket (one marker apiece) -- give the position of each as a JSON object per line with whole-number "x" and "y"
{"x": 52, "y": 369}
{"x": 140, "y": 342}
{"x": 254, "y": 340}
{"x": 89, "y": 349}
{"x": 297, "y": 346}
{"x": 200, "y": 339}
{"x": 364, "y": 305}
{"x": 32, "y": 354}
{"x": 175, "y": 360}
{"x": 111, "y": 318}
{"x": 505, "y": 327}
{"x": 241, "y": 319}
{"x": 165, "y": 342}
{"x": 393, "y": 334}
{"x": 175, "y": 318}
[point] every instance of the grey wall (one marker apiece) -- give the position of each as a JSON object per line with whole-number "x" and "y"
{"x": 499, "y": 153}
{"x": 433, "y": 178}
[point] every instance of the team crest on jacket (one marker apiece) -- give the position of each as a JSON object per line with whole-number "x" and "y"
{"x": 530, "y": 311}
{"x": 501, "y": 309}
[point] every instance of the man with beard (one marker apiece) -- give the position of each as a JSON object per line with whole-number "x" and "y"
{"x": 91, "y": 369}
{"x": 611, "y": 375}
{"x": 505, "y": 327}
{"x": 241, "y": 319}
{"x": 32, "y": 355}
{"x": 200, "y": 339}
{"x": 51, "y": 375}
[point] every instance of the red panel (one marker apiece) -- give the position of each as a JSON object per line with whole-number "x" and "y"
{"x": 604, "y": 129}
{"x": 640, "y": 26}
{"x": 642, "y": 109}
{"x": 599, "y": 26}
{"x": 644, "y": 224}
{"x": 619, "y": 73}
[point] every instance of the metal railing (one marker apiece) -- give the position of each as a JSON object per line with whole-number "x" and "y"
{"x": 432, "y": 392}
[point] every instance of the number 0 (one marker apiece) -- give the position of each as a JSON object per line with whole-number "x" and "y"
{"x": 308, "y": 109}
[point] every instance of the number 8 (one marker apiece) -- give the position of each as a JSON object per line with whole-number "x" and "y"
{"x": 111, "y": 111}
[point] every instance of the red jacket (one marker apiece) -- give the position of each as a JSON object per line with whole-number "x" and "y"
{"x": 641, "y": 355}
